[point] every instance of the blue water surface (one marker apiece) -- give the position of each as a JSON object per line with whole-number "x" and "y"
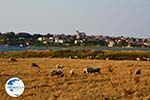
{"x": 14, "y": 48}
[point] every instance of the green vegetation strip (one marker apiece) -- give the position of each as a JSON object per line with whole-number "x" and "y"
{"x": 84, "y": 54}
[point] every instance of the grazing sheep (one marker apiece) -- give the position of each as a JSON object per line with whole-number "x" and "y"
{"x": 58, "y": 66}
{"x": 34, "y": 65}
{"x": 70, "y": 57}
{"x": 107, "y": 58}
{"x": 89, "y": 57}
{"x": 72, "y": 72}
{"x": 136, "y": 76}
{"x": 12, "y": 60}
{"x": 146, "y": 59}
{"x": 138, "y": 59}
{"x": 91, "y": 70}
{"x": 75, "y": 57}
{"x": 57, "y": 72}
{"x": 137, "y": 72}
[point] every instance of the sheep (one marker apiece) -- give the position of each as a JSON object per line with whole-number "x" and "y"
{"x": 58, "y": 66}
{"x": 146, "y": 59}
{"x": 57, "y": 72}
{"x": 138, "y": 59}
{"x": 107, "y": 58}
{"x": 72, "y": 72}
{"x": 91, "y": 70}
{"x": 137, "y": 72}
{"x": 89, "y": 57}
{"x": 136, "y": 76}
{"x": 34, "y": 65}
{"x": 12, "y": 60}
{"x": 69, "y": 57}
{"x": 75, "y": 57}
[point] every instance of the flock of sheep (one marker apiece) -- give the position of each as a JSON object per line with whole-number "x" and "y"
{"x": 59, "y": 71}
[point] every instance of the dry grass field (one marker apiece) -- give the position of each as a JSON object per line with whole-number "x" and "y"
{"x": 117, "y": 85}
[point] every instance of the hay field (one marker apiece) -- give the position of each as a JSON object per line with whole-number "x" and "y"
{"x": 118, "y": 85}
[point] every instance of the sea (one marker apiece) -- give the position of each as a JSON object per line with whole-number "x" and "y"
{"x": 14, "y": 48}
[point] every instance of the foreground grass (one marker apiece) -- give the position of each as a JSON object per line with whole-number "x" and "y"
{"x": 40, "y": 86}
{"x": 84, "y": 54}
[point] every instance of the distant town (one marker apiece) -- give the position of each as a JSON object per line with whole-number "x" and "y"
{"x": 77, "y": 38}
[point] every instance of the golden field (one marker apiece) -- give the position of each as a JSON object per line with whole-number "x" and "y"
{"x": 118, "y": 85}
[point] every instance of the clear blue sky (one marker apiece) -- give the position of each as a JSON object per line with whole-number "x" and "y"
{"x": 107, "y": 17}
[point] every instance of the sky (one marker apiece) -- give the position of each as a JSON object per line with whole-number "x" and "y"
{"x": 105, "y": 17}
